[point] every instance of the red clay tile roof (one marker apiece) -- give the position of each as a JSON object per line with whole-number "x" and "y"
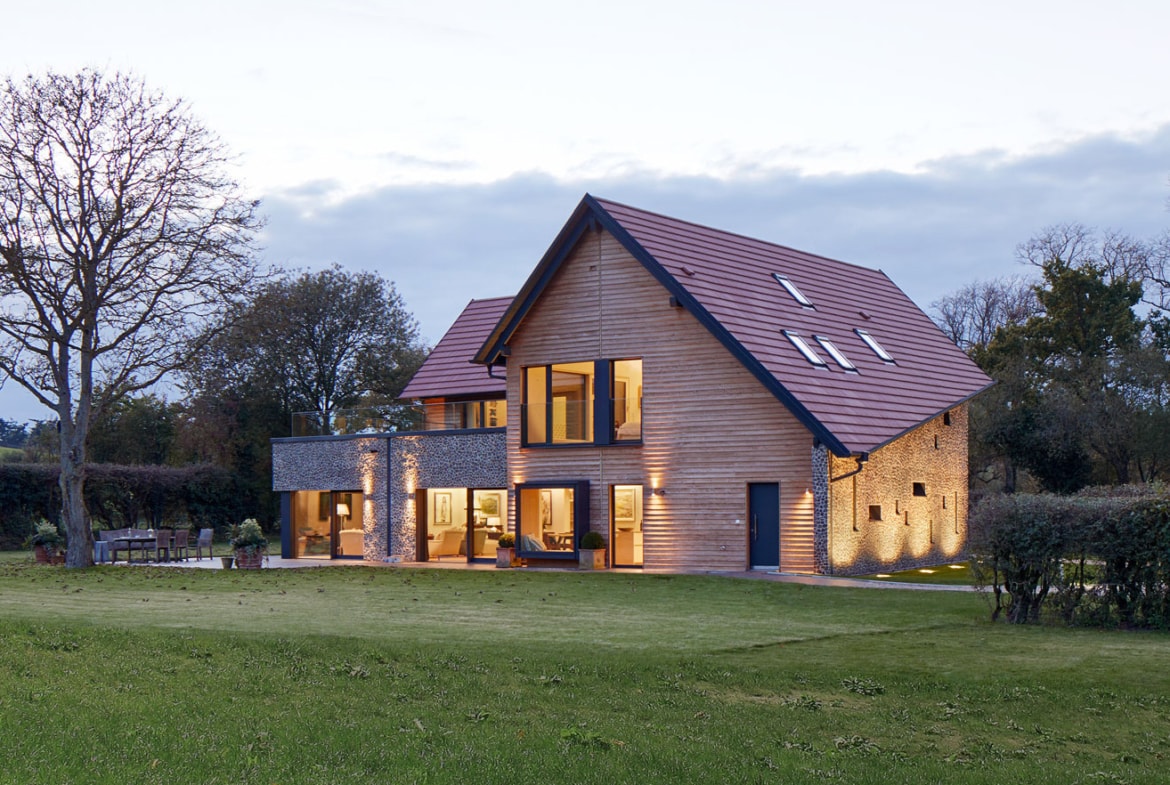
{"x": 726, "y": 281}
{"x": 448, "y": 371}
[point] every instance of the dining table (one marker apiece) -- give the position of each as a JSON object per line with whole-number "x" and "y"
{"x": 142, "y": 540}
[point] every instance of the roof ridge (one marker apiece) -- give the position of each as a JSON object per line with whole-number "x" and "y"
{"x": 739, "y": 235}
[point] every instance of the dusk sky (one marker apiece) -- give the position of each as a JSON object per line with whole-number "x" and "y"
{"x": 443, "y": 144}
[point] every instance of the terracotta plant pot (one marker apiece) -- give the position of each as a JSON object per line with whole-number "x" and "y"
{"x": 246, "y": 560}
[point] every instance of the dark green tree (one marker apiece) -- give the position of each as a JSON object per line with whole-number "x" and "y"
{"x": 1074, "y": 381}
{"x": 313, "y": 342}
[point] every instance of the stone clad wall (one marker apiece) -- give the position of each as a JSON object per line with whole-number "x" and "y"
{"x": 913, "y": 531}
{"x": 443, "y": 459}
{"x": 387, "y": 468}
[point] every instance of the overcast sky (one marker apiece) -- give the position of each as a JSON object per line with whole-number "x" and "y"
{"x": 443, "y": 144}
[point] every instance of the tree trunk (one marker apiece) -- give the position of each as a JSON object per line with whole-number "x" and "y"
{"x": 74, "y": 515}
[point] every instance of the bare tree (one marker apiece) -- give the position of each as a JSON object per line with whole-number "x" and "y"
{"x": 1117, "y": 255}
{"x": 120, "y": 233}
{"x": 971, "y": 315}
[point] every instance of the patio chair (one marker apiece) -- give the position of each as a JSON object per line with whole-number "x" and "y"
{"x": 162, "y": 543}
{"x": 181, "y": 547}
{"x": 204, "y": 541}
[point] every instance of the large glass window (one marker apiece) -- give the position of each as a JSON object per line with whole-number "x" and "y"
{"x": 627, "y": 400}
{"x": 560, "y": 403}
{"x": 327, "y": 524}
{"x": 462, "y": 523}
{"x": 561, "y": 407}
{"x": 546, "y": 521}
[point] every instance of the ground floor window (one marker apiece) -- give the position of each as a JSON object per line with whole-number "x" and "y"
{"x": 547, "y": 518}
{"x": 460, "y": 523}
{"x": 626, "y": 525}
{"x": 327, "y": 524}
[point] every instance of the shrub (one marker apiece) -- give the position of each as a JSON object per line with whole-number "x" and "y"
{"x": 46, "y": 535}
{"x": 249, "y": 537}
{"x": 507, "y": 540}
{"x": 592, "y": 541}
{"x": 1088, "y": 559}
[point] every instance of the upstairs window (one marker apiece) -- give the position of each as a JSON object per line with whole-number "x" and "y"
{"x": 872, "y": 343}
{"x": 836, "y": 353}
{"x": 567, "y": 403}
{"x": 626, "y": 400}
{"x": 803, "y": 347}
{"x": 797, "y": 295}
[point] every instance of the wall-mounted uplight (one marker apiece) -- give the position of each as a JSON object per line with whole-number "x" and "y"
{"x": 410, "y": 495}
{"x": 658, "y": 491}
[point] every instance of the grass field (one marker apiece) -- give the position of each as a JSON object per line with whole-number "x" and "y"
{"x": 358, "y": 675}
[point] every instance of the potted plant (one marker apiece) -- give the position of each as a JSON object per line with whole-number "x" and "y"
{"x": 47, "y": 543}
{"x": 591, "y": 551}
{"x": 506, "y": 550}
{"x": 250, "y": 544}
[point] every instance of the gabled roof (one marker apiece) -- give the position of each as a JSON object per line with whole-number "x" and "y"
{"x": 728, "y": 282}
{"x": 448, "y": 371}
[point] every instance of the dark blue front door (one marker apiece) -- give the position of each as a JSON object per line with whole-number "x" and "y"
{"x": 764, "y": 524}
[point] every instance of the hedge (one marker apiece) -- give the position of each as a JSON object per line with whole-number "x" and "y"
{"x": 1091, "y": 559}
{"x": 117, "y": 496}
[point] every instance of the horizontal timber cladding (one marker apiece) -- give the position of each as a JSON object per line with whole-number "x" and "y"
{"x": 708, "y": 426}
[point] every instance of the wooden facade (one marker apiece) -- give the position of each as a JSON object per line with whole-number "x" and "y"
{"x": 709, "y": 428}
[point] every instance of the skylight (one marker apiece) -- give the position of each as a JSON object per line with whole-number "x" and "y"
{"x": 806, "y": 350}
{"x": 792, "y": 290}
{"x": 836, "y": 353}
{"x": 872, "y": 343}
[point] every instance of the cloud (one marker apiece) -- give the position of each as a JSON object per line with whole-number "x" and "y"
{"x": 953, "y": 221}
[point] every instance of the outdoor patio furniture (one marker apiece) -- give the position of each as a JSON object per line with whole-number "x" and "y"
{"x": 204, "y": 541}
{"x": 180, "y": 545}
{"x": 162, "y": 544}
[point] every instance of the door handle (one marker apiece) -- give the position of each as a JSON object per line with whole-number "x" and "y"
{"x": 755, "y": 526}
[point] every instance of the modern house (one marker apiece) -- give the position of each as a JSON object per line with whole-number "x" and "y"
{"x": 704, "y": 400}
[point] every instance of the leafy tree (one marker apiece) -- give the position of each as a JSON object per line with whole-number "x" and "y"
{"x": 12, "y": 433}
{"x": 315, "y": 342}
{"x": 312, "y": 342}
{"x": 1076, "y": 379}
{"x": 119, "y": 234}
{"x": 135, "y": 431}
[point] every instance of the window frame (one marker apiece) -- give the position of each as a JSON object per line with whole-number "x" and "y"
{"x": 580, "y": 490}
{"x": 600, "y": 410}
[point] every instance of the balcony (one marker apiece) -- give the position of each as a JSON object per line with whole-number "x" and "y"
{"x": 402, "y": 417}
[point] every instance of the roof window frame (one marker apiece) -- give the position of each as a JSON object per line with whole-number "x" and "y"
{"x": 802, "y": 346}
{"x": 839, "y": 356}
{"x": 876, "y": 347}
{"x": 791, "y": 288}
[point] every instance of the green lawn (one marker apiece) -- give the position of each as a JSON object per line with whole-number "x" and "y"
{"x": 360, "y": 675}
{"x": 946, "y": 575}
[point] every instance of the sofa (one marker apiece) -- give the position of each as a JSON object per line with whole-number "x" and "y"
{"x": 350, "y": 542}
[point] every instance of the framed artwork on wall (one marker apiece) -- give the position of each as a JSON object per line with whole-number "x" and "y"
{"x": 545, "y": 509}
{"x": 489, "y": 504}
{"x": 443, "y": 508}
{"x": 624, "y": 509}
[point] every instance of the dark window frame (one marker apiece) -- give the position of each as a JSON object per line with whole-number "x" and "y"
{"x": 602, "y": 409}
{"x": 580, "y": 490}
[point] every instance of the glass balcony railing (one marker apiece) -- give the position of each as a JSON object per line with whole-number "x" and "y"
{"x": 400, "y": 417}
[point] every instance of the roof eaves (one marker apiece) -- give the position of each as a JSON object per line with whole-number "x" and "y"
{"x": 922, "y": 422}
